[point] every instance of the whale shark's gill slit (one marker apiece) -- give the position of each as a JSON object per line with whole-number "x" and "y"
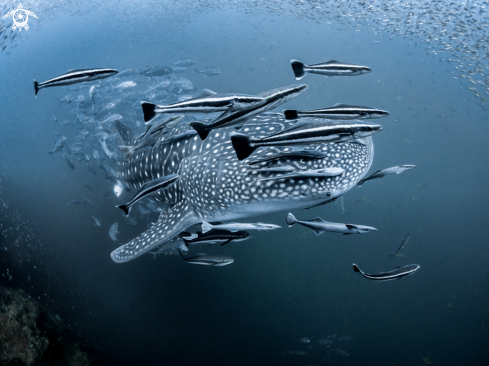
{"x": 170, "y": 223}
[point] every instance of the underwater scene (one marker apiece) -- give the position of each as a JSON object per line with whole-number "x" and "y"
{"x": 266, "y": 182}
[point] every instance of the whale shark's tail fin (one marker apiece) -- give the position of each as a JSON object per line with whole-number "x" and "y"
{"x": 170, "y": 223}
{"x": 242, "y": 145}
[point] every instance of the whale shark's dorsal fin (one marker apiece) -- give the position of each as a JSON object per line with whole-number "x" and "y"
{"x": 170, "y": 223}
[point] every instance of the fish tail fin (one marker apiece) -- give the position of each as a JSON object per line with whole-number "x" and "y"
{"x": 148, "y": 111}
{"x": 206, "y": 227}
{"x": 201, "y": 129}
{"x": 291, "y": 220}
{"x": 226, "y": 242}
{"x": 298, "y": 68}
{"x": 242, "y": 145}
{"x": 124, "y": 208}
{"x": 52, "y": 154}
{"x": 197, "y": 71}
{"x": 360, "y": 182}
{"x": 356, "y": 269}
{"x": 36, "y": 87}
{"x": 290, "y": 114}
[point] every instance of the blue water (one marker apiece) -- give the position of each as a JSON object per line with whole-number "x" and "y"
{"x": 284, "y": 284}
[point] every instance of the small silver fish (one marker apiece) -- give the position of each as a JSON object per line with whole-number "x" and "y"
{"x": 97, "y": 221}
{"x": 59, "y": 144}
{"x": 113, "y": 232}
{"x": 209, "y": 71}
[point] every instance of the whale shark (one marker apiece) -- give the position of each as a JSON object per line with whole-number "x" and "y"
{"x": 215, "y": 186}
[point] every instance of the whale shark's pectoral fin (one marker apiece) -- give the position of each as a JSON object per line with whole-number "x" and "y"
{"x": 170, "y": 223}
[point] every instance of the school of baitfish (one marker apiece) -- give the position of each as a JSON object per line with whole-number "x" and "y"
{"x": 237, "y": 161}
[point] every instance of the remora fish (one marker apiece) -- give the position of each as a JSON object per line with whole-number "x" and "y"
{"x": 236, "y": 226}
{"x": 319, "y": 226}
{"x": 214, "y": 236}
{"x": 75, "y": 76}
{"x": 151, "y": 136}
{"x": 203, "y": 259}
{"x": 395, "y": 274}
{"x": 274, "y": 98}
{"x": 150, "y": 188}
{"x": 338, "y": 111}
{"x": 276, "y": 169}
{"x": 158, "y": 71}
{"x": 403, "y": 243}
{"x": 315, "y": 173}
{"x": 215, "y": 187}
{"x": 329, "y": 68}
{"x": 206, "y": 104}
{"x": 304, "y": 133}
{"x": 113, "y": 232}
{"x": 292, "y": 155}
{"x": 398, "y": 169}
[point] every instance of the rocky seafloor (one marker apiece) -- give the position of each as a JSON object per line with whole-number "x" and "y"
{"x": 30, "y": 335}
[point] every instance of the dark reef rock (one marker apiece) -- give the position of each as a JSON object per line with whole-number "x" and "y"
{"x": 31, "y": 336}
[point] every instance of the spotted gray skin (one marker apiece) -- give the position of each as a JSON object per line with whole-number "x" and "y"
{"x": 215, "y": 186}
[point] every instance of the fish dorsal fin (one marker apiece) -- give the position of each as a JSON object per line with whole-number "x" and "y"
{"x": 170, "y": 223}
{"x": 351, "y": 226}
{"x": 206, "y": 93}
{"x": 333, "y": 62}
{"x": 318, "y": 219}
